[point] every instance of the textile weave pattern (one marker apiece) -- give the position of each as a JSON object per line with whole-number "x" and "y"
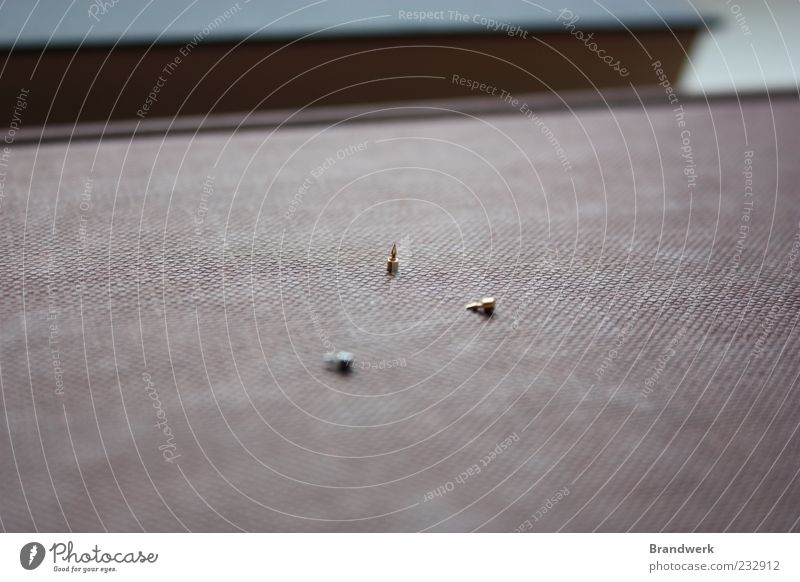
{"x": 167, "y": 302}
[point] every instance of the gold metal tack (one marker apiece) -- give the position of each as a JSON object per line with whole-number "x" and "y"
{"x": 486, "y": 304}
{"x": 392, "y": 264}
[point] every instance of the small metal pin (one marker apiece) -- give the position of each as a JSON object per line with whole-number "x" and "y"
{"x": 392, "y": 264}
{"x": 341, "y": 361}
{"x": 486, "y": 304}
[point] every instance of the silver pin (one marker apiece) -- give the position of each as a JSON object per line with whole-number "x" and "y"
{"x": 342, "y": 361}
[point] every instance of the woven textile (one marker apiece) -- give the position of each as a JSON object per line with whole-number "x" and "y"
{"x": 166, "y": 303}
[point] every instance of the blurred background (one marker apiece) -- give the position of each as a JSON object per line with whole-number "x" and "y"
{"x": 621, "y": 175}
{"x": 94, "y": 60}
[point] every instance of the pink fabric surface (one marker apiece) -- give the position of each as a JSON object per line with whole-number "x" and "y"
{"x": 639, "y": 372}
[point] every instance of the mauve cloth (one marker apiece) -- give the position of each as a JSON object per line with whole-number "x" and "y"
{"x": 167, "y": 301}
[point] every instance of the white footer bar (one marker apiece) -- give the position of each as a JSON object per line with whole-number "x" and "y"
{"x": 355, "y": 557}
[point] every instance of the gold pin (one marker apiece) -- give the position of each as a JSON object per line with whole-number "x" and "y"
{"x": 486, "y": 304}
{"x": 392, "y": 264}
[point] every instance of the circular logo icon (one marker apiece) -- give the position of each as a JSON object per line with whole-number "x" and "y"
{"x": 31, "y": 555}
